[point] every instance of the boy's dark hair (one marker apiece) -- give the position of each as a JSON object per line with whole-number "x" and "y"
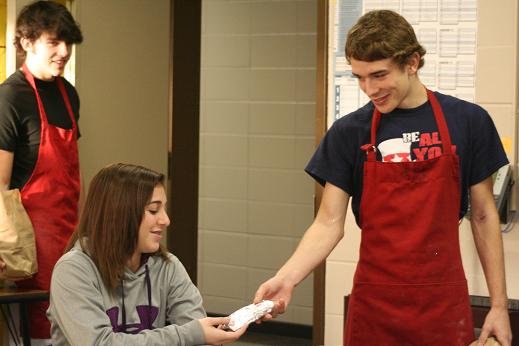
{"x": 382, "y": 34}
{"x": 46, "y": 16}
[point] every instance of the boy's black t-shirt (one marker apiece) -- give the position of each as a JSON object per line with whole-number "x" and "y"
{"x": 20, "y": 120}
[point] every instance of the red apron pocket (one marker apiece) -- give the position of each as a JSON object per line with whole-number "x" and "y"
{"x": 416, "y": 314}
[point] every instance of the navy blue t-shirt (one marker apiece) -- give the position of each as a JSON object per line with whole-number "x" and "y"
{"x": 409, "y": 135}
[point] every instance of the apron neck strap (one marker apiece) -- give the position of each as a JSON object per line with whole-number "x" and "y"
{"x": 370, "y": 148}
{"x": 61, "y": 86}
{"x": 440, "y": 122}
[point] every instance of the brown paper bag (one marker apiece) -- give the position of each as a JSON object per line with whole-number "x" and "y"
{"x": 17, "y": 245}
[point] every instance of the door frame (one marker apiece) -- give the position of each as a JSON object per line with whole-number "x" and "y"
{"x": 183, "y": 160}
{"x": 321, "y": 98}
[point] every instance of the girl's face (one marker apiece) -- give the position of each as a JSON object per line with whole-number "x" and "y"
{"x": 153, "y": 224}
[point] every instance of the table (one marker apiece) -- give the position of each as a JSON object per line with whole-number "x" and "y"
{"x": 22, "y": 296}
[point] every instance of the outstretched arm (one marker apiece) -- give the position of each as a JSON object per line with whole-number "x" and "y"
{"x": 489, "y": 244}
{"x": 317, "y": 243}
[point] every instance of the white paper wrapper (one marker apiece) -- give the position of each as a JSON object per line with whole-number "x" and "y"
{"x": 249, "y": 313}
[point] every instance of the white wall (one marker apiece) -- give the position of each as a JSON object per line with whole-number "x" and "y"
{"x": 496, "y": 91}
{"x": 257, "y": 133}
{"x": 122, "y": 79}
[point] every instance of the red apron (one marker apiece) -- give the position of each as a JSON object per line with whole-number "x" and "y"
{"x": 50, "y": 197}
{"x": 409, "y": 286}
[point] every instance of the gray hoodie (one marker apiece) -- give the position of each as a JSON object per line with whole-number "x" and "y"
{"x": 157, "y": 305}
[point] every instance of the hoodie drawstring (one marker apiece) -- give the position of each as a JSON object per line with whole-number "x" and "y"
{"x": 123, "y": 307}
{"x": 148, "y": 288}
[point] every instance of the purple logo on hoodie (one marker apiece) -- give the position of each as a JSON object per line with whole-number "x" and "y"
{"x": 147, "y": 315}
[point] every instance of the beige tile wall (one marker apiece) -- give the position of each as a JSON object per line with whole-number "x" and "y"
{"x": 496, "y": 91}
{"x": 257, "y": 133}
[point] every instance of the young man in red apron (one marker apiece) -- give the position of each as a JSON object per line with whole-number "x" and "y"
{"x": 38, "y": 139}
{"x": 408, "y": 159}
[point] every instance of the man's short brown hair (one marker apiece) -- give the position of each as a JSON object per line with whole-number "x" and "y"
{"x": 382, "y": 34}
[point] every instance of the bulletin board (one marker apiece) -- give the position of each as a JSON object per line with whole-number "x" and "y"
{"x": 447, "y": 29}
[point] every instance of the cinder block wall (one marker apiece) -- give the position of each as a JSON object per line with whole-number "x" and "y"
{"x": 257, "y": 133}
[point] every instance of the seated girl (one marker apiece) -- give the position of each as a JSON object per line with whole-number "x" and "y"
{"x": 116, "y": 284}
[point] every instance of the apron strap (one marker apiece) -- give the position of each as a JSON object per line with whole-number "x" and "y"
{"x": 64, "y": 95}
{"x": 63, "y": 92}
{"x": 440, "y": 122}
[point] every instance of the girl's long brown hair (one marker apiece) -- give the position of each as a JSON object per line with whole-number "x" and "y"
{"x": 109, "y": 224}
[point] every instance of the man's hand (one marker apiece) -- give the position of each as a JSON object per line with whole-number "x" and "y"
{"x": 278, "y": 291}
{"x": 497, "y": 323}
{"x": 3, "y": 268}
